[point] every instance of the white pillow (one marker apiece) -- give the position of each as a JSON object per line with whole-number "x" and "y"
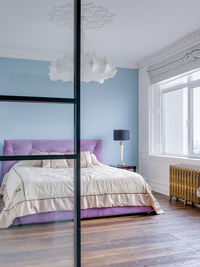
{"x": 95, "y": 160}
{"x": 38, "y": 162}
{"x": 55, "y": 163}
{"x": 85, "y": 161}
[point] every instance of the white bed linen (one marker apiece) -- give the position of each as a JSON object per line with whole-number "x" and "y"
{"x": 29, "y": 190}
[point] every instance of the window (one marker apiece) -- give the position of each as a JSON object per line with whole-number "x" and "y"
{"x": 175, "y": 116}
{"x": 196, "y": 120}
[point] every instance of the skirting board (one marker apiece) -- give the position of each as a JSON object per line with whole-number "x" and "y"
{"x": 158, "y": 187}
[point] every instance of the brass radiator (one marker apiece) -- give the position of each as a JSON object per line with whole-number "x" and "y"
{"x": 184, "y": 183}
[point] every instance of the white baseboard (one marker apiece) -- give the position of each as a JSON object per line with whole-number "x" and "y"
{"x": 159, "y": 187}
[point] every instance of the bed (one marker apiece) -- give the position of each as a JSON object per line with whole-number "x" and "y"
{"x": 36, "y": 195}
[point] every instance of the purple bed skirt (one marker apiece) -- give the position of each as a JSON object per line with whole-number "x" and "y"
{"x": 87, "y": 213}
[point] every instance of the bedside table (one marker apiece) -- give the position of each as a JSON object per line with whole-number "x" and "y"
{"x": 129, "y": 168}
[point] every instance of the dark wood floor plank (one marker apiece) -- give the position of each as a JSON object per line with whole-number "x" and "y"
{"x": 171, "y": 239}
{"x": 181, "y": 263}
{"x": 171, "y": 259}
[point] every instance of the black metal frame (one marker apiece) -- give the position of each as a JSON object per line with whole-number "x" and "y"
{"x": 77, "y": 84}
{"x": 76, "y": 155}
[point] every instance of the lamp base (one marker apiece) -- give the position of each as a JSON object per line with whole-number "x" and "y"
{"x": 121, "y": 164}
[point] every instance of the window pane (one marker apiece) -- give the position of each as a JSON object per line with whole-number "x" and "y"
{"x": 195, "y": 75}
{"x": 196, "y": 120}
{"x": 174, "y": 82}
{"x": 156, "y": 133}
{"x": 175, "y": 122}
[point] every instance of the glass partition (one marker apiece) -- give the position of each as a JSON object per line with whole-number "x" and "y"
{"x": 38, "y": 112}
{"x": 36, "y": 48}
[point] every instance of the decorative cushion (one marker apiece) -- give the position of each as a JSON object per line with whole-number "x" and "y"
{"x": 38, "y": 163}
{"x": 95, "y": 160}
{"x": 85, "y": 161}
{"x": 55, "y": 163}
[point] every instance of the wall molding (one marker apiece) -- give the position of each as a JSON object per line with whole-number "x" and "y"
{"x": 174, "y": 160}
{"x": 24, "y": 54}
{"x": 181, "y": 44}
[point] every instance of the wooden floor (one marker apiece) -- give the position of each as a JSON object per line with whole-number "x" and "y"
{"x": 171, "y": 239}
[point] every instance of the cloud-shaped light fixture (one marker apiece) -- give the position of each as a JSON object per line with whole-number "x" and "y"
{"x": 93, "y": 68}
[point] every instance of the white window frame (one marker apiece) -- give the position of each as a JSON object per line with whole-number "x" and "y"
{"x": 191, "y": 123}
{"x": 190, "y": 85}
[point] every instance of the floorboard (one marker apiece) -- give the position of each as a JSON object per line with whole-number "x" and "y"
{"x": 171, "y": 239}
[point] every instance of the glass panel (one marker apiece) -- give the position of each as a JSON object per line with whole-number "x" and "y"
{"x": 44, "y": 236}
{"x": 35, "y": 121}
{"x": 156, "y": 133}
{"x": 34, "y": 40}
{"x": 49, "y": 185}
{"x": 38, "y": 195}
{"x": 175, "y": 122}
{"x": 51, "y": 242}
{"x": 174, "y": 82}
{"x": 196, "y": 120}
{"x": 195, "y": 75}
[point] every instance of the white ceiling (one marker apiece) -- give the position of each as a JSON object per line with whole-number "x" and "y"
{"x": 139, "y": 28}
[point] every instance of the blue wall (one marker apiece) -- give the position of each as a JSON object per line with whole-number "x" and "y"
{"x": 104, "y": 107}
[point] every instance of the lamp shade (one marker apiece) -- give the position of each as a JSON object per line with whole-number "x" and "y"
{"x": 121, "y": 135}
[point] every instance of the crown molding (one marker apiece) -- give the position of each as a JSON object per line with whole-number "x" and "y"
{"x": 125, "y": 65}
{"x": 33, "y": 55}
{"x": 181, "y": 44}
{"x": 25, "y": 54}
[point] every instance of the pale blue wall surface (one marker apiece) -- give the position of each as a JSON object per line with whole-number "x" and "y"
{"x": 104, "y": 107}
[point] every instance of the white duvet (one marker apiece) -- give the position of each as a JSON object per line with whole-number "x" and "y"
{"x": 29, "y": 190}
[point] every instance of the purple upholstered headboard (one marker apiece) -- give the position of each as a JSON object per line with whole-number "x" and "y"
{"x": 29, "y": 147}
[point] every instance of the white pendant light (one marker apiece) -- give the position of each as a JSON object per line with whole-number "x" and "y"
{"x": 93, "y": 68}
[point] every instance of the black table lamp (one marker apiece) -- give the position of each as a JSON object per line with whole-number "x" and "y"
{"x": 121, "y": 135}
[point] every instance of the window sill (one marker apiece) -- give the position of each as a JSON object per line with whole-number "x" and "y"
{"x": 175, "y": 159}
